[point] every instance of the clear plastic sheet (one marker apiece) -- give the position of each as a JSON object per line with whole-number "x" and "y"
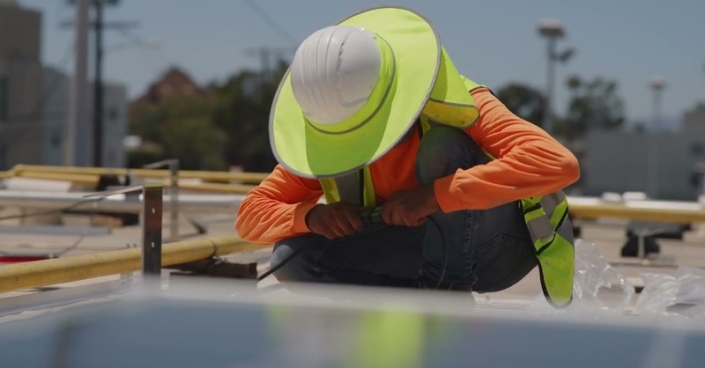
{"x": 679, "y": 294}
{"x": 597, "y": 286}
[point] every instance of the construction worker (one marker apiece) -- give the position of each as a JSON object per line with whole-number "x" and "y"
{"x": 373, "y": 113}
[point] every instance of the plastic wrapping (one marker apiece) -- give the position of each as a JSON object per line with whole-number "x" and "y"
{"x": 597, "y": 285}
{"x": 680, "y": 294}
{"x": 593, "y": 275}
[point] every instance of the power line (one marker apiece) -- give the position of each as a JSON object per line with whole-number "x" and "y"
{"x": 136, "y": 39}
{"x": 273, "y": 24}
{"x": 266, "y": 54}
{"x": 141, "y": 44}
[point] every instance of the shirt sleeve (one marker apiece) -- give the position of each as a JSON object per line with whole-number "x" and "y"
{"x": 528, "y": 162}
{"x": 276, "y": 209}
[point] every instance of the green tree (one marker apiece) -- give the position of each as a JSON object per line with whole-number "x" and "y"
{"x": 146, "y": 154}
{"x": 242, "y": 113}
{"x": 529, "y": 104}
{"x": 196, "y": 143}
{"x": 525, "y": 101}
{"x": 180, "y": 127}
{"x": 699, "y": 108}
{"x": 594, "y": 104}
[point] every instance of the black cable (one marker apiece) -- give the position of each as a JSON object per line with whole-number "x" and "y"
{"x": 51, "y": 212}
{"x": 281, "y": 264}
{"x": 69, "y": 248}
{"x": 371, "y": 217}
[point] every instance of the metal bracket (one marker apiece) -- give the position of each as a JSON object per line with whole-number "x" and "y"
{"x": 644, "y": 260}
{"x": 152, "y": 212}
{"x": 173, "y": 165}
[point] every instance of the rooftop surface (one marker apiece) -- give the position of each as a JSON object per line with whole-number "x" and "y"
{"x": 220, "y": 321}
{"x": 608, "y": 238}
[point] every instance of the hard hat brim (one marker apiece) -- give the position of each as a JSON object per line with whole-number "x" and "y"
{"x": 417, "y": 50}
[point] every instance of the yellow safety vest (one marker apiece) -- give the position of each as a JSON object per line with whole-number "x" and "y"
{"x": 546, "y": 218}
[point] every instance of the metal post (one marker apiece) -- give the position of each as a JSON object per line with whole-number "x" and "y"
{"x": 655, "y": 135}
{"x": 173, "y": 194}
{"x": 152, "y": 211}
{"x": 642, "y": 234}
{"x": 652, "y": 165}
{"x": 174, "y": 200}
{"x": 551, "y": 30}
{"x": 78, "y": 109}
{"x": 657, "y": 85}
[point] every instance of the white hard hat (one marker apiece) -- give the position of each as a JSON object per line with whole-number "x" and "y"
{"x": 334, "y": 73}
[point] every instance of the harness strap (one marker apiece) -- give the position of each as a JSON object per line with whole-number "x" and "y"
{"x": 350, "y": 187}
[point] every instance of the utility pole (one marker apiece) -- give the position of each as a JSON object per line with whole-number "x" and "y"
{"x": 96, "y": 131}
{"x": 98, "y": 82}
{"x": 78, "y": 109}
{"x": 265, "y": 54}
{"x": 98, "y": 85}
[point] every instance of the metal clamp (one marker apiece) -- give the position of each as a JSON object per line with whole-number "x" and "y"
{"x": 641, "y": 235}
{"x": 152, "y": 212}
{"x": 173, "y": 165}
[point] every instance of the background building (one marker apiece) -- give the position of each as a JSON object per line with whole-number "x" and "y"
{"x": 694, "y": 121}
{"x": 34, "y": 100}
{"x": 20, "y": 85}
{"x": 618, "y": 161}
{"x": 55, "y": 120}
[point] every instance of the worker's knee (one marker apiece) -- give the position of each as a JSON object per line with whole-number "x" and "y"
{"x": 444, "y": 150}
{"x": 291, "y": 260}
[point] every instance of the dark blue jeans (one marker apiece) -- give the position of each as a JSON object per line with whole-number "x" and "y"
{"x": 489, "y": 250}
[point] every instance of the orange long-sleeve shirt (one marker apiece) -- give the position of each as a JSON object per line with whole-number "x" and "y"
{"x": 528, "y": 163}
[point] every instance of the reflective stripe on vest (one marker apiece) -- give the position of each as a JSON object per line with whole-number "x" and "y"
{"x": 356, "y": 188}
{"x": 546, "y": 218}
{"x": 552, "y": 234}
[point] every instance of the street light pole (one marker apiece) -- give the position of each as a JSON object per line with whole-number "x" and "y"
{"x": 657, "y": 85}
{"x": 552, "y": 30}
{"x": 550, "y": 78}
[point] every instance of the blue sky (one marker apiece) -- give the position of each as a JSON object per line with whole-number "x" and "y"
{"x": 493, "y": 42}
